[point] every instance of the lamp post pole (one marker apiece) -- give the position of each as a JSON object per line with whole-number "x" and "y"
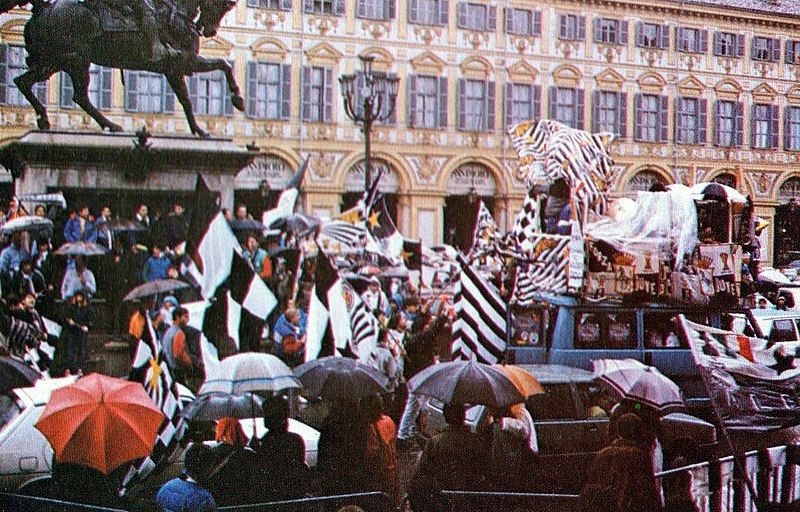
{"x": 368, "y": 98}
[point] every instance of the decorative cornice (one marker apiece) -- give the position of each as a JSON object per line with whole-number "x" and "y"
{"x": 270, "y": 49}
{"x": 323, "y": 55}
{"x": 428, "y": 63}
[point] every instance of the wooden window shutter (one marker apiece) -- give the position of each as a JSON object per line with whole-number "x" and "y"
{"x": 639, "y": 34}
{"x": 308, "y": 6}
{"x": 786, "y": 142}
{"x": 753, "y": 50}
{"x": 131, "y": 91}
{"x": 329, "y": 101}
{"x": 739, "y": 45}
{"x": 361, "y": 8}
{"x": 3, "y": 72}
{"x": 461, "y": 19}
{"x": 391, "y": 9}
{"x": 663, "y": 117}
{"x": 444, "y": 12}
{"x": 679, "y": 128}
{"x": 536, "y": 99}
{"x": 637, "y": 116}
{"x": 286, "y": 5}
{"x": 596, "y": 30}
{"x": 67, "y": 90}
{"x": 413, "y": 11}
{"x": 286, "y": 91}
{"x": 338, "y": 7}
{"x": 508, "y": 101}
{"x": 168, "y": 97}
{"x": 580, "y": 28}
{"x": 307, "y": 87}
{"x": 739, "y": 124}
{"x": 461, "y": 122}
{"x": 579, "y": 109}
{"x": 664, "y": 37}
{"x": 702, "y": 44}
{"x": 412, "y": 100}
{"x": 775, "y": 50}
{"x": 442, "y": 92}
{"x": 536, "y": 29}
{"x": 622, "y": 114}
{"x": 596, "y": 111}
{"x": 551, "y": 105}
{"x": 105, "y": 87}
{"x": 715, "y": 126}
{"x": 717, "y": 43}
{"x": 491, "y": 21}
{"x": 562, "y": 26}
{"x": 753, "y": 126}
{"x": 774, "y": 126}
{"x": 788, "y": 52}
{"x": 509, "y": 18}
{"x": 227, "y": 99}
{"x": 622, "y": 26}
{"x": 252, "y": 88}
{"x": 702, "y": 120}
{"x": 490, "y": 108}
{"x": 191, "y": 85}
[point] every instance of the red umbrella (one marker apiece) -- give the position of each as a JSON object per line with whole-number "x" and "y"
{"x": 100, "y": 422}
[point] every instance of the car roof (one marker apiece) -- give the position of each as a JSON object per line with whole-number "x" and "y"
{"x": 39, "y": 394}
{"x": 771, "y": 313}
{"x": 557, "y": 373}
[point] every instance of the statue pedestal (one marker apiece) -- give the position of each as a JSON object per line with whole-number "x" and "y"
{"x": 123, "y": 163}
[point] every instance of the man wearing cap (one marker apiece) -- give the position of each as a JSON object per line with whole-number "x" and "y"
{"x": 163, "y": 318}
{"x": 374, "y": 297}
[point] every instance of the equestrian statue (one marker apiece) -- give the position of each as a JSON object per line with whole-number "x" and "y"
{"x": 161, "y": 36}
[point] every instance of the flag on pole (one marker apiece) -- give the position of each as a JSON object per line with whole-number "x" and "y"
{"x": 480, "y": 327}
{"x": 288, "y": 199}
{"x": 486, "y": 236}
{"x": 328, "y": 330}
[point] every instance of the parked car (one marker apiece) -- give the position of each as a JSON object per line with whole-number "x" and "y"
{"x": 568, "y": 436}
{"x": 26, "y": 456}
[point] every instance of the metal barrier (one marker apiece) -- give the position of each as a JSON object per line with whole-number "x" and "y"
{"x": 719, "y": 486}
{"x": 369, "y": 501}
{"x": 464, "y": 501}
{"x": 10, "y": 502}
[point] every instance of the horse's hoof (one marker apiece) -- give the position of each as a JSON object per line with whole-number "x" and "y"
{"x": 238, "y": 102}
{"x": 43, "y": 123}
{"x": 200, "y": 133}
{"x": 114, "y": 127}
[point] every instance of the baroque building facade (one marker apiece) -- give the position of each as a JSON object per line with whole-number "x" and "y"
{"x": 697, "y": 91}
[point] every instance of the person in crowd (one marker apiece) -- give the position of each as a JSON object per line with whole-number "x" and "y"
{"x": 289, "y": 343}
{"x": 182, "y": 363}
{"x": 282, "y": 282}
{"x": 514, "y": 443}
{"x": 341, "y": 451}
{"x": 762, "y": 303}
{"x": 257, "y": 257}
{"x": 40, "y": 211}
{"x": 557, "y": 199}
{"x": 188, "y": 493}
{"x": 230, "y": 477}
{"x": 176, "y": 226}
{"x": 78, "y": 319}
{"x": 381, "y": 450}
{"x": 281, "y": 454}
{"x": 80, "y": 226}
{"x": 241, "y": 212}
{"x": 104, "y": 235}
{"x": 78, "y": 277}
{"x": 11, "y": 257}
{"x": 624, "y": 470}
{"x": 163, "y": 319}
{"x": 456, "y": 459}
{"x": 411, "y": 308}
{"x": 780, "y": 303}
{"x": 28, "y": 280}
{"x": 226, "y": 212}
{"x": 78, "y": 483}
{"x": 142, "y": 216}
{"x": 421, "y": 349}
{"x": 382, "y": 359}
{"x": 156, "y": 266}
{"x": 375, "y": 298}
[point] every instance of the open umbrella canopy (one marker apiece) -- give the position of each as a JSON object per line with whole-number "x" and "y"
{"x": 718, "y": 191}
{"x": 526, "y": 383}
{"x": 633, "y": 380}
{"x": 15, "y": 373}
{"x": 215, "y": 406}
{"x": 118, "y": 225}
{"x": 296, "y": 222}
{"x": 156, "y": 287}
{"x": 340, "y": 378}
{"x": 27, "y": 223}
{"x": 100, "y": 422}
{"x": 466, "y": 382}
{"x": 81, "y": 249}
{"x": 247, "y": 225}
{"x": 250, "y": 371}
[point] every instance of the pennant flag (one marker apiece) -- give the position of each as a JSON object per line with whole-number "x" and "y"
{"x": 480, "y": 327}
{"x": 752, "y": 383}
{"x": 384, "y": 230}
{"x": 363, "y": 324}
{"x": 486, "y": 236}
{"x": 288, "y": 198}
{"x": 546, "y": 269}
{"x": 528, "y": 223}
{"x": 412, "y": 254}
{"x": 205, "y": 205}
{"x": 347, "y": 235}
{"x": 328, "y": 330}
{"x": 150, "y": 368}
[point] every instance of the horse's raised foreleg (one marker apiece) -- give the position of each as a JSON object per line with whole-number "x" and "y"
{"x": 202, "y": 65}
{"x": 178, "y": 84}
{"x": 80, "y": 95}
{"x": 25, "y": 83}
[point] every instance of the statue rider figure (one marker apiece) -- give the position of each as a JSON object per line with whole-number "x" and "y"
{"x": 144, "y": 12}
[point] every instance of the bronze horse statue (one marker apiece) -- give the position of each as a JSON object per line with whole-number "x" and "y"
{"x": 69, "y": 35}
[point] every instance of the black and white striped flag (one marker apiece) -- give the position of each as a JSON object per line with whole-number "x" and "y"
{"x": 150, "y": 368}
{"x": 480, "y": 328}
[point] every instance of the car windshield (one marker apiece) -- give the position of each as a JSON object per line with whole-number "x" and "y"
{"x": 9, "y": 409}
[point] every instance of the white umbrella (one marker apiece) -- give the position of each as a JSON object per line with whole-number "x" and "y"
{"x": 27, "y": 223}
{"x": 81, "y": 249}
{"x": 632, "y": 380}
{"x": 250, "y": 371}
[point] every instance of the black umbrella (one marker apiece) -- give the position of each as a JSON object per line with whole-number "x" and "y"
{"x": 296, "y": 222}
{"x": 120, "y": 225}
{"x": 340, "y": 378}
{"x": 215, "y": 406}
{"x": 156, "y": 287}
{"x": 466, "y": 382}
{"x": 16, "y": 374}
{"x": 247, "y": 225}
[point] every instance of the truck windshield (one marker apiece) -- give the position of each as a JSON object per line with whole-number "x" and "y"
{"x": 9, "y": 409}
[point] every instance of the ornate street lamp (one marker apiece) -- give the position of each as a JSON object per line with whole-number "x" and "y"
{"x": 374, "y": 101}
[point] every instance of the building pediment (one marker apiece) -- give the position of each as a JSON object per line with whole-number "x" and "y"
{"x": 476, "y": 68}
{"x": 764, "y": 93}
{"x": 427, "y": 64}
{"x": 793, "y": 95}
{"x": 383, "y": 59}
{"x": 522, "y": 73}
{"x": 270, "y": 49}
{"x": 652, "y": 83}
{"x": 567, "y": 76}
{"x": 216, "y": 47}
{"x": 728, "y": 90}
{"x": 323, "y": 55}
{"x": 12, "y": 32}
{"x": 690, "y": 86}
{"x": 610, "y": 80}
